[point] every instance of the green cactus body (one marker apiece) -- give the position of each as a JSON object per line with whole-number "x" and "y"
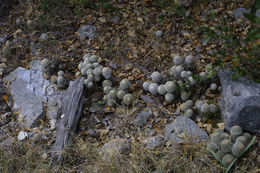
{"x": 226, "y": 145}
{"x": 237, "y": 148}
{"x": 216, "y": 138}
{"x": 242, "y": 139}
{"x": 227, "y": 159}
{"x": 212, "y": 146}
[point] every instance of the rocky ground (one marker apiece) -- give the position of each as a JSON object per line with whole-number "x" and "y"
{"x": 134, "y": 39}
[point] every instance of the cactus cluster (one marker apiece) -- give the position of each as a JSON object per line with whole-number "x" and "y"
{"x": 113, "y": 94}
{"x": 226, "y": 146}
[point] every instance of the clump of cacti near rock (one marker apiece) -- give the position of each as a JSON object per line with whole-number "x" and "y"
{"x": 228, "y": 147}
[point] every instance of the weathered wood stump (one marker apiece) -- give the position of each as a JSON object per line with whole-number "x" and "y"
{"x": 69, "y": 114}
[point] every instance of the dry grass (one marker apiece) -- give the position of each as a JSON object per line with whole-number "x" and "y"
{"x": 84, "y": 157}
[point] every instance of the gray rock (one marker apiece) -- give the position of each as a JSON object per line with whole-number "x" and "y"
{"x": 154, "y": 142}
{"x": 114, "y": 148}
{"x": 184, "y": 130}
{"x": 142, "y": 117}
{"x": 2, "y": 39}
{"x": 30, "y": 91}
{"x": 240, "y": 102}
{"x": 239, "y": 13}
{"x": 87, "y": 31}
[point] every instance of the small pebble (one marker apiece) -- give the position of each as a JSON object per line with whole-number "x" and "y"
{"x": 158, "y": 33}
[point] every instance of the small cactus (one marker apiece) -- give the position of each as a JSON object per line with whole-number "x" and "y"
{"x": 184, "y": 96}
{"x": 107, "y": 72}
{"x": 158, "y": 33}
{"x": 212, "y": 146}
{"x": 61, "y": 73}
{"x": 213, "y": 108}
{"x": 205, "y": 108}
{"x": 125, "y": 84}
{"x": 216, "y": 138}
{"x": 178, "y": 60}
{"x": 235, "y": 131}
{"x": 226, "y": 145}
{"x": 153, "y": 88}
{"x": 238, "y": 148}
{"x": 111, "y": 102}
{"x": 112, "y": 94}
{"x": 178, "y": 70}
{"x": 170, "y": 86}
{"x": 227, "y": 159}
{"x": 213, "y": 87}
{"x": 107, "y": 89}
{"x": 189, "y": 59}
{"x": 169, "y": 97}
{"x": 45, "y": 62}
{"x": 161, "y": 89}
{"x": 242, "y": 139}
{"x": 184, "y": 107}
{"x": 120, "y": 94}
{"x": 247, "y": 135}
{"x": 86, "y": 56}
{"x": 146, "y": 85}
{"x": 128, "y": 99}
{"x": 97, "y": 72}
{"x": 156, "y": 77}
{"x": 93, "y": 58}
{"x": 106, "y": 83}
{"x": 188, "y": 113}
{"x": 198, "y": 104}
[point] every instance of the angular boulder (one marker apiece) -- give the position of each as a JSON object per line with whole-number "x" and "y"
{"x": 240, "y": 102}
{"x": 184, "y": 130}
{"x": 30, "y": 91}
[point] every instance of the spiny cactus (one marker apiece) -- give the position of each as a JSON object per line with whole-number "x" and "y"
{"x": 106, "y": 83}
{"x": 237, "y": 148}
{"x": 153, "y": 88}
{"x": 227, "y": 159}
{"x": 128, "y": 99}
{"x": 178, "y": 60}
{"x": 188, "y": 113}
{"x": 226, "y": 145}
{"x": 170, "y": 86}
{"x": 156, "y": 77}
{"x": 169, "y": 97}
{"x": 107, "y": 72}
{"x": 146, "y": 85}
{"x": 242, "y": 139}
{"x": 124, "y": 84}
{"x": 216, "y": 138}
{"x": 212, "y": 146}
{"x": 121, "y": 94}
{"x": 161, "y": 89}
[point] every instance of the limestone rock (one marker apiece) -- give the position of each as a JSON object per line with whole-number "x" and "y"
{"x": 184, "y": 130}
{"x": 240, "y": 102}
{"x": 30, "y": 90}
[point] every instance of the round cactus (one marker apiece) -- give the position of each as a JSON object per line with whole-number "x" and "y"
{"x": 212, "y": 146}
{"x": 178, "y": 60}
{"x": 97, "y": 78}
{"x": 54, "y": 79}
{"x": 220, "y": 154}
{"x": 226, "y": 145}
{"x": 80, "y": 66}
{"x": 236, "y": 131}
{"x": 89, "y": 71}
{"x": 188, "y": 74}
{"x": 184, "y": 96}
{"x": 213, "y": 87}
{"x": 188, "y": 113}
{"x": 198, "y": 104}
{"x": 88, "y": 66}
{"x": 121, "y": 94}
{"x": 96, "y": 65}
{"x": 242, "y": 139}
{"x": 172, "y": 71}
{"x": 97, "y": 72}
{"x": 105, "y": 98}
{"x": 247, "y": 135}
{"x": 156, "y": 77}
{"x": 178, "y": 70}
{"x": 146, "y": 85}
{"x": 107, "y": 89}
{"x": 216, "y": 138}
{"x": 153, "y": 88}
{"x": 161, "y": 89}
{"x": 90, "y": 84}
{"x": 238, "y": 148}
{"x": 227, "y": 159}
{"x": 189, "y": 59}
{"x": 191, "y": 80}
{"x": 86, "y": 56}
{"x": 184, "y": 107}
{"x": 106, "y": 83}
{"x": 205, "y": 108}
{"x": 107, "y": 72}
{"x": 83, "y": 71}
{"x": 225, "y": 135}
{"x": 158, "y": 33}
{"x": 112, "y": 94}
{"x": 213, "y": 108}
{"x": 111, "y": 102}
{"x": 125, "y": 84}
{"x": 44, "y": 37}
{"x": 61, "y": 81}
{"x": 203, "y": 75}
{"x": 170, "y": 86}
{"x": 184, "y": 74}
{"x": 93, "y": 58}
{"x": 189, "y": 103}
{"x": 218, "y": 131}
{"x": 169, "y": 97}
{"x": 45, "y": 62}
{"x": 61, "y": 73}
{"x": 91, "y": 78}
{"x": 128, "y": 99}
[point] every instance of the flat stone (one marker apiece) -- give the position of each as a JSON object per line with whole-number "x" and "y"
{"x": 30, "y": 91}
{"x": 184, "y": 130}
{"x": 240, "y": 102}
{"x": 113, "y": 148}
{"x": 142, "y": 117}
{"x": 87, "y": 31}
